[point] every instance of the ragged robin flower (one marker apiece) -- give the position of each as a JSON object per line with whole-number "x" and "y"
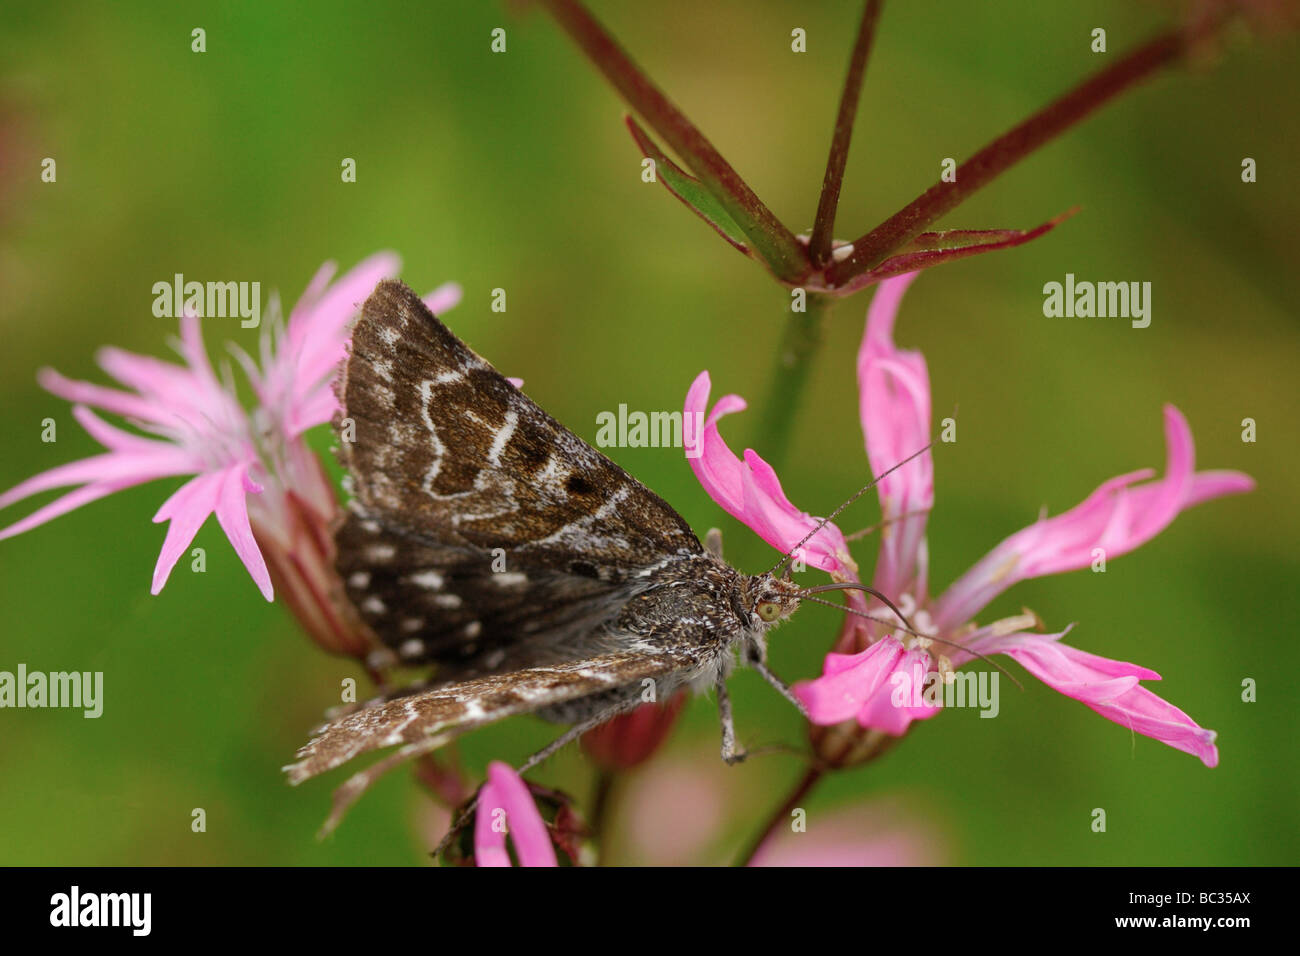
{"x": 855, "y": 696}
{"x": 251, "y": 468}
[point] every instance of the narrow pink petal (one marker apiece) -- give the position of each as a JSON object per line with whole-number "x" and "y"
{"x": 315, "y": 289}
{"x": 848, "y": 682}
{"x": 109, "y": 399}
{"x": 750, "y": 490}
{"x": 1216, "y": 484}
{"x": 714, "y": 464}
{"x": 116, "y": 439}
{"x": 166, "y": 385}
{"x": 1116, "y": 518}
{"x": 991, "y": 639}
{"x": 489, "y": 842}
{"x": 894, "y": 406}
{"x": 444, "y": 298}
{"x": 527, "y": 829}
{"x": 1110, "y": 688}
{"x": 782, "y": 525}
{"x": 121, "y": 468}
{"x": 318, "y": 335}
{"x": 69, "y": 502}
{"x": 343, "y": 298}
{"x": 186, "y": 510}
{"x": 195, "y": 354}
{"x": 232, "y": 515}
{"x": 314, "y": 408}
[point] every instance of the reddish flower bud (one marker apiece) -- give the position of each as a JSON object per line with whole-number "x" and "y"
{"x": 632, "y": 738}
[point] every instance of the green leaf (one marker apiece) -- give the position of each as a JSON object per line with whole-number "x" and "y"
{"x": 689, "y": 189}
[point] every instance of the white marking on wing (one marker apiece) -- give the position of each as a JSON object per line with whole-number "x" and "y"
{"x": 503, "y": 436}
{"x": 427, "y": 579}
{"x": 436, "y": 446}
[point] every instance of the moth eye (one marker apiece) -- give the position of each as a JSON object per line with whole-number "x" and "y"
{"x": 768, "y": 610}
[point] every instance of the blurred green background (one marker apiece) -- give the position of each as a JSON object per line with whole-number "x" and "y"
{"x": 515, "y": 171}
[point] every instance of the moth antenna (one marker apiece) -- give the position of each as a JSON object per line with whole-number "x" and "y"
{"x": 886, "y": 522}
{"x": 856, "y": 495}
{"x": 457, "y": 825}
{"x": 893, "y": 624}
{"x": 855, "y": 586}
{"x": 870, "y": 617}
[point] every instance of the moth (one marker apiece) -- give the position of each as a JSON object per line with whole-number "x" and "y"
{"x": 530, "y": 572}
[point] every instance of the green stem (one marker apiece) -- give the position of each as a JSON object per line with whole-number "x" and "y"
{"x": 790, "y": 376}
{"x": 782, "y": 814}
{"x": 600, "y": 802}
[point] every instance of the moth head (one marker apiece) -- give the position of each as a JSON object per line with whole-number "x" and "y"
{"x": 772, "y": 599}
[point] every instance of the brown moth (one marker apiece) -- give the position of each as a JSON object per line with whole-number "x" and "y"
{"x": 530, "y": 572}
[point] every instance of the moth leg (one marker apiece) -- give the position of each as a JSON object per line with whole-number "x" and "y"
{"x": 729, "y": 752}
{"x": 755, "y": 658}
{"x": 559, "y": 743}
{"x": 713, "y": 542}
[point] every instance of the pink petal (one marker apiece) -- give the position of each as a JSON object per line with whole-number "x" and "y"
{"x": 506, "y": 790}
{"x": 894, "y": 406}
{"x": 297, "y": 375}
{"x": 314, "y": 408}
{"x": 316, "y": 287}
{"x": 109, "y": 399}
{"x": 186, "y": 510}
{"x": 1116, "y": 517}
{"x": 232, "y": 515}
{"x": 114, "y": 438}
{"x": 489, "y": 843}
{"x": 195, "y": 354}
{"x": 750, "y": 491}
{"x": 1110, "y": 688}
{"x": 69, "y": 502}
{"x": 848, "y": 682}
{"x": 124, "y": 469}
{"x": 169, "y": 387}
{"x": 444, "y": 298}
{"x": 317, "y": 334}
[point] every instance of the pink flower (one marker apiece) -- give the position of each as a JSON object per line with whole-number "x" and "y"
{"x": 247, "y": 467}
{"x": 506, "y": 807}
{"x": 1120, "y": 515}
